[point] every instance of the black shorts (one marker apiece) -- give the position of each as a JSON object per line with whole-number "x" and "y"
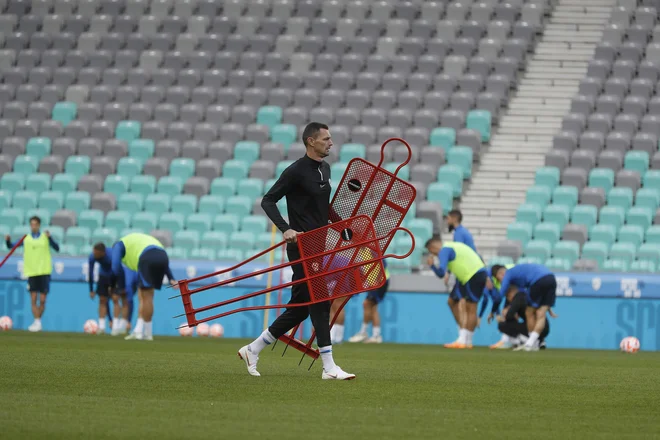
{"x": 543, "y": 292}
{"x": 39, "y": 284}
{"x": 103, "y": 286}
{"x": 455, "y": 293}
{"x": 377, "y": 295}
{"x": 474, "y": 288}
{"x": 152, "y": 267}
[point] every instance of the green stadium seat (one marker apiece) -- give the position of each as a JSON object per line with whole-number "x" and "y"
{"x": 186, "y": 239}
{"x": 64, "y": 183}
{"x": 557, "y": 214}
{"x": 107, "y": 236}
{"x": 78, "y": 236}
{"x": 230, "y": 255}
{"x": 77, "y": 165}
{"x": 251, "y": 188}
{"x": 567, "y": 250}
{"x": 622, "y": 197}
{"x": 558, "y": 264}
{"x": 69, "y": 250}
{"x": 269, "y": 115}
{"x": 204, "y": 253}
{"x": 116, "y": 184}
{"x": 452, "y": 175}
{"x": 26, "y": 165}
{"x": 529, "y": 213}
{"x": 538, "y": 195}
{"x": 404, "y": 266}
{"x": 404, "y": 173}
{"x": 283, "y": 208}
{"x": 461, "y": 157}
{"x": 519, "y": 231}
{"x": 595, "y": 250}
{"x": 235, "y": 169}
{"x": 91, "y": 219}
{"x": 141, "y": 148}
{"x": 156, "y": 203}
{"x": 224, "y": 186}
{"x": 480, "y": 120}
{"x": 211, "y": 204}
{"x": 215, "y": 239}
{"x": 246, "y": 151}
{"x": 284, "y": 134}
{"x": 177, "y": 253}
{"x": 199, "y": 222}
{"x": 242, "y": 240}
{"x": 227, "y": 223}
{"x": 402, "y": 245}
{"x": 144, "y": 185}
{"x": 131, "y": 202}
{"x": 351, "y": 151}
{"x": 118, "y": 220}
{"x": 128, "y": 231}
{"x": 77, "y": 201}
{"x": 57, "y": 232}
{"x": 144, "y": 221}
{"x": 643, "y": 266}
{"x": 130, "y": 166}
{"x": 64, "y": 112}
{"x": 276, "y": 255}
{"x": 649, "y": 251}
{"x": 254, "y": 224}
{"x": 443, "y": 193}
{"x": 265, "y": 240}
{"x": 25, "y": 200}
{"x": 170, "y": 185}
{"x": 623, "y": 251}
{"x": 182, "y": 168}
{"x": 12, "y": 182}
{"x": 12, "y": 217}
{"x": 539, "y": 249}
{"x": 640, "y": 216}
{"x": 5, "y": 199}
{"x": 612, "y": 215}
{"x": 653, "y": 234}
{"x": 637, "y": 161}
{"x": 51, "y": 201}
{"x": 586, "y": 215}
{"x": 647, "y": 198}
{"x": 651, "y": 180}
{"x": 601, "y": 178}
{"x": 422, "y": 228}
{"x": 603, "y": 233}
{"x": 284, "y": 164}
{"x": 550, "y": 232}
{"x": 128, "y": 130}
{"x": 616, "y": 265}
{"x": 18, "y": 231}
{"x": 172, "y": 221}
{"x": 184, "y": 203}
{"x": 39, "y": 182}
{"x": 631, "y": 234}
{"x": 565, "y": 196}
{"x": 443, "y": 137}
{"x": 38, "y": 147}
{"x": 501, "y": 260}
{"x": 238, "y": 205}
{"x": 43, "y": 214}
{"x": 547, "y": 176}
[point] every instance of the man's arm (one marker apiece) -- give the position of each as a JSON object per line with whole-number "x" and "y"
{"x": 274, "y": 194}
{"x": 169, "y": 274}
{"x": 516, "y": 307}
{"x": 9, "y": 243}
{"x": 90, "y": 271}
{"x": 53, "y": 244}
{"x": 445, "y": 256}
{"x": 118, "y": 252}
{"x": 484, "y": 303}
{"x": 506, "y": 282}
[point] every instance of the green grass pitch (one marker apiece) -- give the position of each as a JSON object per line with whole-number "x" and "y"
{"x": 74, "y": 386}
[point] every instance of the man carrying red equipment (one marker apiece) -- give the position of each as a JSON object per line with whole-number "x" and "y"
{"x": 306, "y": 186}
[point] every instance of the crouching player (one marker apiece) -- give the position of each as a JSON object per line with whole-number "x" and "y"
{"x": 470, "y": 273}
{"x": 541, "y": 286}
{"x": 510, "y": 321}
{"x": 145, "y": 255}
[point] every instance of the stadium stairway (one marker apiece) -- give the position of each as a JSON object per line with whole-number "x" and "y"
{"x": 534, "y": 115}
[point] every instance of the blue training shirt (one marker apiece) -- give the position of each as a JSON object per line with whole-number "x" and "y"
{"x": 105, "y": 267}
{"x": 523, "y": 276}
{"x": 494, "y": 295}
{"x": 462, "y": 235}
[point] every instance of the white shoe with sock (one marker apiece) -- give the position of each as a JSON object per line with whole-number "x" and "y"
{"x": 374, "y": 340}
{"x": 250, "y": 360}
{"x": 337, "y": 374}
{"x": 359, "y": 337}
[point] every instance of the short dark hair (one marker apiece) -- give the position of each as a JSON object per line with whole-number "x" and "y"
{"x": 456, "y": 213}
{"x": 35, "y": 218}
{"x": 99, "y": 247}
{"x": 311, "y": 130}
{"x": 496, "y": 268}
{"x": 431, "y": 240}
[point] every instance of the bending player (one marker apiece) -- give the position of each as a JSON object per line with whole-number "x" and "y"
{"x": 509, "y": 323}
{"x": 306, "y": 186}
{"x": 541, "y": 286}
{"x": 103, "y": 286}
{"x": 371, "y": 315}
{"x": 145, "y": 255}
{"x": 471, "y": 276}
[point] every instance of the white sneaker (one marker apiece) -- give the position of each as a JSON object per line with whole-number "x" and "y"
{"x": 35, "y": 326}
{"x": 115, "y": 332}
{"x": 136, "y": 336}
{"x": 250, "y": 359}
{"x": 337, "y": 374}
{"x": 148, "y": 338}
{"x": 526, "y": 347}
{"x": 374, "y": 340}
{"x": 359, "y": 337}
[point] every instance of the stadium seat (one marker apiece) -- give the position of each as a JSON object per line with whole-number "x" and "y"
{"x": 56, "y": 232}
{"x": 77, "y": 201}
{"x": 246, "y": 151}
{"x": 565, "y": 196}
{"x": 131, "y": 202}
{"x": 284, "y": 164}
{"x": 238, "y": 205}
{"x": 203, "y": 253}
{"x": 156, "y": 203}
{"x": 171, "y": 221}
{"x": 43, "y": 214}
{"x": 643, "y": 266}
{"x": 12, "y": 217}
{"x": 243, "y": 240}
{"x": 141, "y": 148}
{"x": 177, "y": 253}
{"x": 637, "y": 161}
{"x": 547, "y": 231}
{"x": 597, "y": 251}
{"x": 404, "y": 173}
{"x": 452, "y": 175}
{"x": 615, "y": 265}
{"x": 443, "y": 137}
{"x": 227, "y": 223}
{"x": 603, "y": 233}
{"x": 230, "y": 255}
{"x": 128, "y": 130}
{"x": 650, "y": 252}
{"x": 422, "y": 228}
{"x": 558, "y": 264}
{"x": 78, "y": 236}
{"x": 5, "y": 199}
{"x": 254, "y": 224}
{"x": 224, "y": 186}
{"x": 38, "y": 147}
{"x": 461, "y": 157}
{"x": 90, "y": 219}
{"x": 106, "y": 236}
{"x": 116, "y": 184}
{"x": 170, "y": 185}
{"x": 12, "y": 182}
{"x": 612, "y": 215}
{"x": 184, "y": 203}
{"x": 215, "y": 239}
{"x": 69, "y": 250}
{"x": 647, "y": 198}
{"x": 443, "y": 193}
{"x": 269, "y": 115}
{"x": 538, "y": 195}
{"x": 351, "y": 151}
{"x": 129, "y": 166}
{"x": 640, "y": 216}
{"x": 186, "y": 239}
{"x": 51, "y": 201}
{"x": 64, "y": 112}
{"x": 144, "y": 221}
{"x": 538, "y": 249}
{"x": 251, "y": 188}
{"x": 547, "y": 176}
{"x": 211, "y": 204}
{"x": 118, "y": 220}
{"x": 235, "y": 169}
{"x": 182, "y": 168}
{"x": 77, "y": 165}
{"x": 567, "y": 250}
{"x": 651, "y": 180}
{"x": 557, "y": 214}
{"x": 284, "y": 134}
{"x": 198, "y": 222}
{"x": 653, "y": 234}
{"x": 480, "y": 120}
{"x": 144, "y": 185}
{"x": 26, "y": 165}
{"x": 64, "y": 183}
{"x": 586, "y": 215}
{"x": 265, "y": 240}
{"x": 519, "y": 231}
{"x": 601, "y": 178}
{"x": 529, "y": 213}
{"x": 39, "y": 182}
{"x": 623, "y": 251}
{"x": 631, "y": 234}
{"x": 621, "y": 197}
{"x": 25, "y": 200}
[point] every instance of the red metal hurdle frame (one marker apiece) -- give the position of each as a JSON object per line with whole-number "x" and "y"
{"x": 18, "y": 243}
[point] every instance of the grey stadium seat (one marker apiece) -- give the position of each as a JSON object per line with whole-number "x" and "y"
{"x": 105, "y": 202}
{"x": 573, "y": 232}
{"x": 91, "y": 183}
{"x": 576, "y": 177}
{"x": 63, "y": 218}
{"x": 594, "y": 196}
{"x": 557, "y": 158}
{"x": 611, "y": 159}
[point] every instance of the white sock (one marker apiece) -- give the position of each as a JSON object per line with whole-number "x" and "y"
{"x": 139, "y": 326}
{"x": 123, "y": 324}
{"x": 326, "y": 357}
{"x": 462, "y": 336}
{"x": 468, "y": 338}
{"x": 148, "y": 328}
{"x": 339, "y": 332}
{"x": 363, "y": 329}
{"x": 533, "y": 337}
{"x": 102, "y": 324}
{"x": 37, "y": 321}
{"x": 264, "y": 340}
{"x": 505, "y": 338}
{"x": 376, "y": 332}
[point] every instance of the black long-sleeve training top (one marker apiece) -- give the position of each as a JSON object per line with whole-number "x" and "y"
{"x": 306, "y": 186}
{"x": 517, "y": 307}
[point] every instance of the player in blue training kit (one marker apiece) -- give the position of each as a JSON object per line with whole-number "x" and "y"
{"x": 104, "y": 291}
{"x": 541, "y": 286}
{"x": 131, "y": 286}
